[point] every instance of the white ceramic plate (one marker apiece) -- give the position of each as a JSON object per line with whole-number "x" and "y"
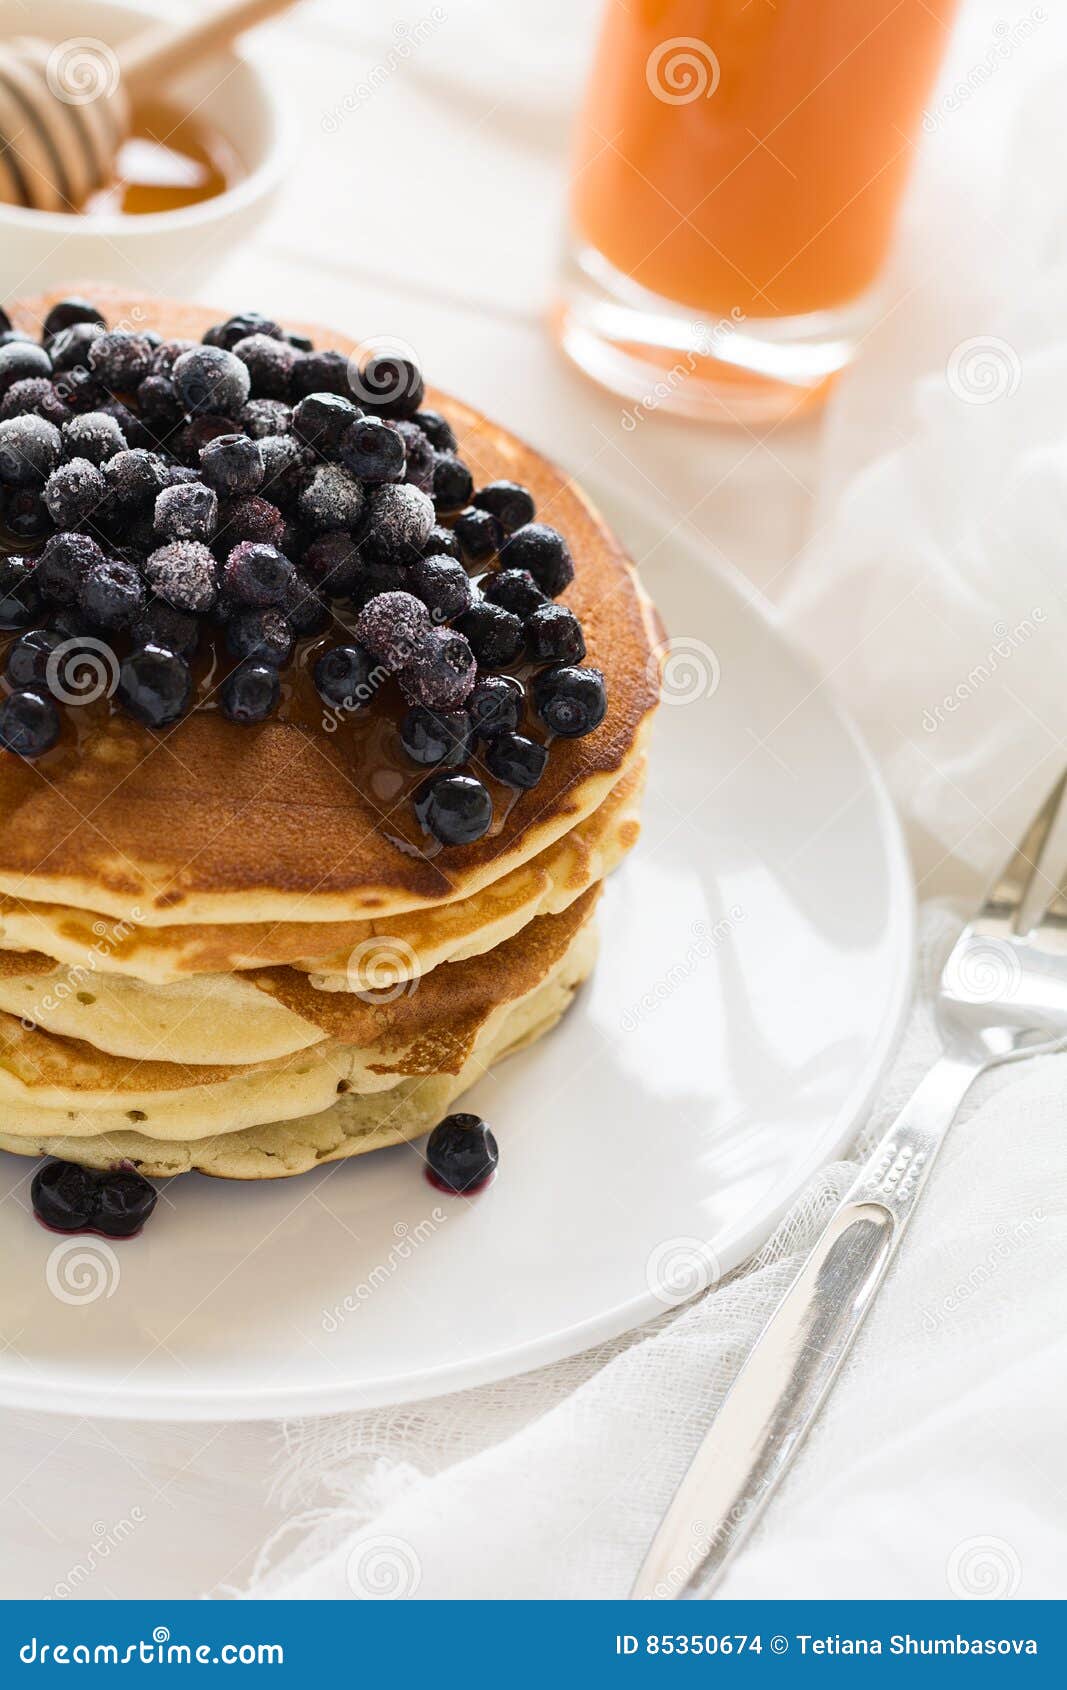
{"x": 756, "y": 957}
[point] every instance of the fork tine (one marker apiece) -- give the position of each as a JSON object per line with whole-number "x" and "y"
{"x": 1009, "y": 892}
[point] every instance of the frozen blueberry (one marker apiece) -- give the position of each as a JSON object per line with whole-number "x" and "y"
{"x": 72, "y": 492}
{"x": 512, "y": 505}
{"x": 269, "y": 362}
{"x": 321, "y": 372}
{"x": 250, "y": 693}
{"x": 258, "y": 574}
{"x": 391, "y": 626}
{"x": 398, "y": 520}
{"x": 190, "y": 440}
{"x": 184, "y": 574}
{"x": 443, "y": 586}
{"x": 495, "y": 706}
{"x": 570, "y": 701}
{"x": 436, "y": 736}
{"x": 461, "y": 1154}
{"x": 160, "y": 624}
{"x": 515, "y": 760}
{"x": 29, "y": 724}
{"x": 21, "y": 359}
{"x": 250, "y": 518}
{"x": 332, "y": 499}
{"x": 479, "y": 534}
{"x": 554, "y": 635}
{"x": 65, "y": 1196}
{"x": 455, "y": 809}
{"x": 302, "y": 342}
{"x": 19, "y": 593}
{"x": 373, "y": 451}
{"x": 112, "y": 593}
{"x": 186, "y": 511}
{"x": 30, "y": 449}
{"x": 262, "y": 417}
{"x": 124, "y": 1202}
{"x": 544, "y": 553}
{"x": 495, "y": 635}
{"x": 322, "y": 419}
{"x": 421, "y": 457}
{"x": 452, "y": 483}
{"x": 135, "y": 477}
{"x": 211, "y": 381}
{"x": 391, "y": 386}
{"x": 66, "y": 312}
{"x": 167, "y": 353}
{"x": 233, "y": 464}
{"x": 63, "y": 565}
{"x": 36, "y": 395}
{"x": 160, "y": 405}
{"x": 26, "y": 515}
{"x": 437, "y": 429}
{"x": 441, "y": 673}
{"x": 262, "y": 636}
{"x": 239, "y": 327}
{"x": 69, "y": 349}
{"x": 29, "y": 656}
{"x": 155, "y": 685}
{"x": 285, "y": 466}
{"x": 333, "y": 561}
{"x": 344, "y": 676}
{"x": 514, "y": 590}
{"x": 121, "y": 361}
{"x": 93, "y": 435}
{"x": 441, "y": 542}
{"x": 305, "y": 608}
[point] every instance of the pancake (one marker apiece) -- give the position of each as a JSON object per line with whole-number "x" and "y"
{"x": 339, "y": 956}
{"x": 286, "y": 821}
{"x": 352, "y": 1126}
{"x": 62, "y": 1087}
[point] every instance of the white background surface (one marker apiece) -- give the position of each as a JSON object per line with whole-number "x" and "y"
{"x": 443, "y": 230}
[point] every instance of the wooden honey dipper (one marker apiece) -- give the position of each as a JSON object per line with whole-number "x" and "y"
{"x": 65, "y": 110}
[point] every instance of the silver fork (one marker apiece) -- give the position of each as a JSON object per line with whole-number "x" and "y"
{"x": 1002, "y": 996}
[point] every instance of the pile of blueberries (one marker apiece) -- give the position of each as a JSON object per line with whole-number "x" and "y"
{"x": 252, "y": 489}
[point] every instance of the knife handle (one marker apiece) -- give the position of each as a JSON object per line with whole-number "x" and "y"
{"x": 784, "y": 1382}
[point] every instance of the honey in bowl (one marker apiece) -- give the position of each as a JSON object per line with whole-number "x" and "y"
{"x": 167, "y": 162}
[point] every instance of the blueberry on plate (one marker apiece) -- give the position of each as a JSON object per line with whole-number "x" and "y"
{"x": 441, "y": 542}
{"x": 233, "y": 464}
{"x": 124, "y": 1201}
{"x": 455, "y": 809}
{"x": 373, "y": 451}
{"x": 542, "y": 551}
{"x": 514, "y": 590}
{"x": 436, "y": 736}
{"x": 184, "y": 574}
{"x": 453, "y": 483}
{"x": 495, "y": 634}
{"x": 63, "y": 564}
{"x": 554, "y": 635}
{"x": 495, "y": 706}
{"x": 441, "y": 672}
{"x": 187, "y": 511}
{"x": 258, "y": 574}
{"x": 66, "y": 312}
{"x": 571, "y": 702}
{"x": 73, "y": 491}
{"x": 263, "y": 636}
{"x": 30, "y": 449}
{"x": 511, "y": 504}
{"x": 29, "y": 724}
{"x": 28, "y": 657}
{"x": 461, "y": 1154}
{"x": 112, "y": 594}
{"x": 515, "y": 760}
{"x": 155, "y": 685}
{"x": 437, "y": 429}
{"x": 211, "y": 381}
{"x": 19, "y": 595}
{"x": 322, "y": 420}
{"x": 421, "y": 457}
{"x": 479, "y": 533}
{"x": 65, "y": 1196}
{"x": 21, "y": 359}
{"x": 343, "y": 676}
{"x": 443, "y": 585}
{"x": 390, "y": 385}
{"x": 250, "y": 693}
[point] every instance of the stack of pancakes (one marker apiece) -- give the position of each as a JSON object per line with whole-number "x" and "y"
{"x": 219, "y": 949}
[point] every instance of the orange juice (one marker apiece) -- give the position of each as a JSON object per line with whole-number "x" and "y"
{"x": 748, "y": 156}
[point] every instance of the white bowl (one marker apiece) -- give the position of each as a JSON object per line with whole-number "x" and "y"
{"x": 168, "y": 251}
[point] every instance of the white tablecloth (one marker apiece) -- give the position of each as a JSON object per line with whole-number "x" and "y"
{"x": 911, "y": 537}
